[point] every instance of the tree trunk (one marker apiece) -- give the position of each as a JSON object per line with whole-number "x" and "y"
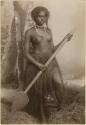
{"x": 13, "y": 49}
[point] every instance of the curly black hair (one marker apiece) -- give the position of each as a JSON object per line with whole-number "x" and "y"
{"x": 37, "y": 10}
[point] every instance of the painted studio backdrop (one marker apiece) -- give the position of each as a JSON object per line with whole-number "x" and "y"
{"x": 65, "y": 15}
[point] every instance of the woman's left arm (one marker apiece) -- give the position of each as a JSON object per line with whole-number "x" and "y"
{"x": 51, "y": 40}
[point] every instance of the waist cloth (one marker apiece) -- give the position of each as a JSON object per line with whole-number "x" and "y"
{"x": 43, "y": 85}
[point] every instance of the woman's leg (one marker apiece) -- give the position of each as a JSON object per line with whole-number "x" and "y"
{"x": 58, "y": 85}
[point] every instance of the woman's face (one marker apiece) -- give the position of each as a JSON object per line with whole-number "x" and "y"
{"x": 41, "y": 18}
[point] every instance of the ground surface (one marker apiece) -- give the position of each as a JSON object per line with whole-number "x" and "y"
{"x": 72, "y": 110}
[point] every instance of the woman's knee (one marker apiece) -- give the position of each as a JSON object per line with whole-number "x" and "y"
{"x": 58, "y": 82}
{"x": 56, "y": 77}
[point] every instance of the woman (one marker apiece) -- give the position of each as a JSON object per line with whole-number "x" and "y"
{"x": 39, "y": 47}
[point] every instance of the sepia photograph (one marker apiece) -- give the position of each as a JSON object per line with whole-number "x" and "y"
{"x": 42, "y": 61}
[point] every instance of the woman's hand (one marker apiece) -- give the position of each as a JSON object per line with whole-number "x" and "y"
{"x": 41, "y": 67}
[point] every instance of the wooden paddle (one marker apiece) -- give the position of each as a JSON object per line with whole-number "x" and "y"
{"x": 21, "y": 99}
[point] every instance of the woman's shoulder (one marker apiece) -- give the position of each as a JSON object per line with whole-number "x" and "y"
{"x": 49, "y": 30}
{"x": 30, "y": 30}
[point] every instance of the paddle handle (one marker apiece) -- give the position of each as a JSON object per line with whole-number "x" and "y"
{"x": 60, "y": 45}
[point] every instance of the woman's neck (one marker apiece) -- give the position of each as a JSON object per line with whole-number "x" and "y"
{"x": 41, "y": 27}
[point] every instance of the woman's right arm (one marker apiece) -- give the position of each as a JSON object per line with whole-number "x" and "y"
{"x": 26, "y": 51}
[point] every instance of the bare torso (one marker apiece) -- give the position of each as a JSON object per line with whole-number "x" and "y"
{"x": 41, "y": 41}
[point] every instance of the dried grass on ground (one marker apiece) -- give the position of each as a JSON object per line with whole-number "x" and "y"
{"x": 73, "y": 108}
{"x": 18, "y": 117}
{"x": 72, "y": 111}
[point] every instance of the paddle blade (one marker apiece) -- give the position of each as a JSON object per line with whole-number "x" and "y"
{"x": 20, "y": 101}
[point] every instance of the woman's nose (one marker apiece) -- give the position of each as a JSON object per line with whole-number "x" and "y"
{"x": 42, "y": 17}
